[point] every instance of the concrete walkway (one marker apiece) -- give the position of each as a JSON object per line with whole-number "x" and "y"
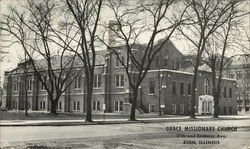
{"x": 113, "y": 121}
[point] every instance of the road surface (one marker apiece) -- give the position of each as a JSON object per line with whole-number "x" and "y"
{"x": 128, "y": 136}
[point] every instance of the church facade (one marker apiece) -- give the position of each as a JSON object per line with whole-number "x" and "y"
{"x": 166, "y": 86}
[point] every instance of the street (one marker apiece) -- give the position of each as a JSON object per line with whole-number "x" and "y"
{"x": 126, "y": 136}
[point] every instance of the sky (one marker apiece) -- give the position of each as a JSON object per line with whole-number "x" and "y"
{"x": 15, "y": 52}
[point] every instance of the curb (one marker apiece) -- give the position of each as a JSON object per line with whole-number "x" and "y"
{"x": 98, "y": 122}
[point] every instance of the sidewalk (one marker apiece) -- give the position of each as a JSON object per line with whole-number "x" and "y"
{"x": 113, "y": 121}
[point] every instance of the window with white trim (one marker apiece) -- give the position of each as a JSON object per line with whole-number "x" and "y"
{"x": 76, "y": 105}
{"x": 42, "y": 87}
{"x": 231, "y": 74}
{"x": 16, "y": 83}
{"x": 77, "y": 82}
{"x": 44, "y": 77}
{"x": 59, "y": 106}
{"x": 96, "y": 106}
{"x": 165, "y": 60}
{"x": 97, "y": 81}
{"x": 118, "y": 106}
{"x": 151, "y": 108}
{"x": 42, "y": 105}
{"x": 225, "y": 92}
{"x": 239, "y": 75}
{"x": 206, "y": 87}
{"x": 119, "y": 80}
{"x": 230, "y": 92}
{"x": 29, "y": 84}
{"x": 151, "y": 87}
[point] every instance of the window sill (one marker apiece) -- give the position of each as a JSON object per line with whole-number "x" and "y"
{"x": 96, "y": 87}
{"x": 119, "y": 86}
{"x": 151, "y": 94}
{"x": 77, "y": 89}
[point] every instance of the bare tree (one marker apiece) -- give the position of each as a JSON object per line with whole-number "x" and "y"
{"x": 86, "y": 15}
{"x": 34, "y": 29}
{"x": 221, "y": 43}
{"x": 204, "y": 17}
{"x": 154, "y": 19}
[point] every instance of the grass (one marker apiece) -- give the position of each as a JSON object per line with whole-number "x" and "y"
{"x": 10, "y": 115}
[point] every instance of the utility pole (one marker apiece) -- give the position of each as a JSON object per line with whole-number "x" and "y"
{"x": 25, "y": 84}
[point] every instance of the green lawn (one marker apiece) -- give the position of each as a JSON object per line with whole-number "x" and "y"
{"x": 9, "y": 115}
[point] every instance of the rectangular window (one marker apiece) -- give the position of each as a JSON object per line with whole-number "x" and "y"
{"x": 29, "y": 85}
{"x": 151, "y": 87}
{"x": 151, "y": 108}
{"x": 41, "y": 105}
{"x": 230, "y": 92}
{"x": 44, "y": 78}
{"x": 97, "y": 81}
{"x": 225, "y": 92}
{"x": 189, "y": 88}
{"x": 238, "y": 75}
{"x": 42, "y": 87}
{"x": 181, "y": 88}
{"x": 59, "y": 105}
{"x": 181, "y": 109}
{"x": 119, "y": 79}
{"x": 121, "y": 106}
{"x": 174, "y": 88}
{"x": 77, "y": 82}
{"x": 166, "y": 60}
{"x": 118, "y": 106}
{"x": 117, "y": 62}
{"x": 231, "y": 74}
{"x": 16, "y": 83}
{"x": 78, "y": 105}
{"x": 96, "y": 106}
{"x": 173, "y": 109}
{"x": 203, "y": 106}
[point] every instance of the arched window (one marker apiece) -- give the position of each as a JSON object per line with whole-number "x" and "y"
{"x": 206, "y": 87}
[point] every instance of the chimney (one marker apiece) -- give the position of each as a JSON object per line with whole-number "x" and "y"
{"x": 112, "y": 37}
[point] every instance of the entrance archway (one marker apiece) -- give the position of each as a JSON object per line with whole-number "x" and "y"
{"x": 205, "y": 105}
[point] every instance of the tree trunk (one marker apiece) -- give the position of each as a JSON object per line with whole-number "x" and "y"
{"x": 194, "y": 92}
{"x": 216, "y": 106}
{"x": 89, "y": 109}
{"x": 53, "y": 107}
{"x": 134, "y": 104}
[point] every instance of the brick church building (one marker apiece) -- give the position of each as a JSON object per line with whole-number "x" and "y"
{"x": 167, "y": 86}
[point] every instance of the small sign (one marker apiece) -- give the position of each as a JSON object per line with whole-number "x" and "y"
{"x": 104, "y": 106}
{"x": 164, "y": 86}
{"x": 162, "y": 106}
